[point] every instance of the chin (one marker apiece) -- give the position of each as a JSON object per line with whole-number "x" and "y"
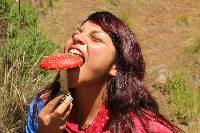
{"x": 73, "y": 77}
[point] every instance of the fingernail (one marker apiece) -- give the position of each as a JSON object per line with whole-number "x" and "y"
{"x": 69, "y": 98}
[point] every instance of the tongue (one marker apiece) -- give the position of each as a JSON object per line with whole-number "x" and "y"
{"x": 61, "y": 61}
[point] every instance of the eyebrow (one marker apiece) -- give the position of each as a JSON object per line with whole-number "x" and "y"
{"x": 79, "y": 29}
{"x": 93, "y": 32}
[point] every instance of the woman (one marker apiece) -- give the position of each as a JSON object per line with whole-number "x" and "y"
{"x": 107, "y": 89}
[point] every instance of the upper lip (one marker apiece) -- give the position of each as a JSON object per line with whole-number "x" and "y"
{"x": 82, "y": 54}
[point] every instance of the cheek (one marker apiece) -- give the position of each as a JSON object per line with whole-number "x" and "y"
{"x": 101, "y": 59}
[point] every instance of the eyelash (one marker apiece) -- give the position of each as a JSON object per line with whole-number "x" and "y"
{"x": 95, "y": 39}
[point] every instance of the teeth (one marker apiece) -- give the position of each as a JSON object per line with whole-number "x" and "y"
{"x": 75, "y": 51}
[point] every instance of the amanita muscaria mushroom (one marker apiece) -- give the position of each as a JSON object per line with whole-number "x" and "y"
{"x": 62, "y": 62}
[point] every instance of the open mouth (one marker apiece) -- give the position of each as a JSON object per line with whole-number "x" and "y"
{"x": 77, "y": 52}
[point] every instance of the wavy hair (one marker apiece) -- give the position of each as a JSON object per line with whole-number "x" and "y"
{"x": 125, "y": 92}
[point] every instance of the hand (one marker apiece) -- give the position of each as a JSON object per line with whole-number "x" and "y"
{"x": 53, "y": 116}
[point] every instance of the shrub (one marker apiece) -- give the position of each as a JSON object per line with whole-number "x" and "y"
{"x": 5, "y": 7}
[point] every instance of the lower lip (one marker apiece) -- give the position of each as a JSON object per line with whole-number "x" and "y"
{"x": 74, "y": 68}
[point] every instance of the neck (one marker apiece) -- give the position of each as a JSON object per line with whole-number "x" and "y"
{"x": 89, "y": 101}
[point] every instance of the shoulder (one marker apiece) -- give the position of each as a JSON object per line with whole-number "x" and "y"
{"x": 31, "y": 121}
{"x": 39, "y": 103}
{"x": 155, "y": 123}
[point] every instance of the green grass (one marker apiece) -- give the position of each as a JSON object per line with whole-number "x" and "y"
{"x": 184, "y": 89}
{"x": 5, "y": 7}
{"x": 184, "y": 100}
{"x": 21, "y": 76}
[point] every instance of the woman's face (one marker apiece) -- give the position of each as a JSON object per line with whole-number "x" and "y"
{"x": 95, "y": 45}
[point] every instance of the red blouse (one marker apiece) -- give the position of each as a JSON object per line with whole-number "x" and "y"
{"x": 102, "y": 119}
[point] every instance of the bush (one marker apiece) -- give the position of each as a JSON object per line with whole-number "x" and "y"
{"x": 5, "y": 6}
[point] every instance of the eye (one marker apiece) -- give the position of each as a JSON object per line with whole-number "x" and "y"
{"x": 96, "y": 39}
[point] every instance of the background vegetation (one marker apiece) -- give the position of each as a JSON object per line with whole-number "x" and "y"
{"x": 168, "y": 34}
{"x": 21, "y": 78}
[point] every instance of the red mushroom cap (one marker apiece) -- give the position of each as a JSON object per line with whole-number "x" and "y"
{"x": 61, "y": 61}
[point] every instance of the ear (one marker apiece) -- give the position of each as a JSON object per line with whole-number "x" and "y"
{"x": 113, "y": 70}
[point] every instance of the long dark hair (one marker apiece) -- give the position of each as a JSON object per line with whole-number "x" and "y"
{"x": 125, "y": 91}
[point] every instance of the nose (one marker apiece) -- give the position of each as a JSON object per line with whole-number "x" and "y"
{"x": 78, "y": 38}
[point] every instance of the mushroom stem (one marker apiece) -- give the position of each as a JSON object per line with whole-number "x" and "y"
{"x": 63, "y": 82}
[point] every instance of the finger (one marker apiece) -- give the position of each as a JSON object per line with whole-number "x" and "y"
{"x": 63, "y": 118}
{"x": 49, "y": 108}
{"x": 64, "y": 107}
{"x": 66, "y": 113}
